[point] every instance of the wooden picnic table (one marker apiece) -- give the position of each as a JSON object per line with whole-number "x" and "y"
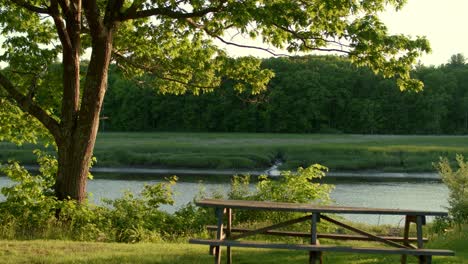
{"x": 314, "y": 213}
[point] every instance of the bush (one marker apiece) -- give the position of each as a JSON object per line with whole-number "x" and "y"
{"x": 138, "y": 218}
{"x": 29, "y": 205}
{"x": 31, "y": 211}
{"x": 299, "y": 187}
{"x": 457, "y": 182}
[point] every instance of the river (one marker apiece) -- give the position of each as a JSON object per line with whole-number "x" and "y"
{"x": 350, "y": 191}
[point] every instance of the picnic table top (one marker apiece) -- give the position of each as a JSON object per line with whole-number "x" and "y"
{"x": 310, "y": 208}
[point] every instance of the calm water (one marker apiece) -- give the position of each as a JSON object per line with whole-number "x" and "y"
{"x": 422, "y": 195}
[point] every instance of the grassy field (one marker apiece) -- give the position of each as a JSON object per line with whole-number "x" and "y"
{"x": 249, "y": 151}
{"x": 40, "y": 251}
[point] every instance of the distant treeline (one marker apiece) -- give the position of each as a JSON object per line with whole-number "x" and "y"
{"x": 309, "y": 94}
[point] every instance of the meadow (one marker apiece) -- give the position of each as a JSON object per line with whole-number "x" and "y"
{"x": 393, "y": 153}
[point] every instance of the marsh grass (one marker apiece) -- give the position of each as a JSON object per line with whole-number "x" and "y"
{"x": 250, "y": 151}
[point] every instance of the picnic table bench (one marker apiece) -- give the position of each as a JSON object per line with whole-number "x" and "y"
{"x": 229, "y": 237}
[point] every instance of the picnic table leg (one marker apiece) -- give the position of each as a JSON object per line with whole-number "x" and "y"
{"x": 408, "y": 220}
{"x": 314, "y": 255}
{"x": 219, "y": 234}
{"x": 420, "y": 221}
{"x": 228, "y": 235}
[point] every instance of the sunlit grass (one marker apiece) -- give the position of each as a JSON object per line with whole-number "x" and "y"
{"x": 40, "y": 251}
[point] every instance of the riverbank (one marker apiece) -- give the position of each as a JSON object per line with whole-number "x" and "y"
{"x": 369, "y": 175}
{"x": 257, "y": 151}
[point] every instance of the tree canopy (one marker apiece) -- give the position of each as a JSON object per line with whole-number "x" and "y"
{"x": 173, "y": 41}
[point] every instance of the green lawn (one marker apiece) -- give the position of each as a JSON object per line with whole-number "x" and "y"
{"x": 39, "y": 251}
{"x": 250, "y": 151}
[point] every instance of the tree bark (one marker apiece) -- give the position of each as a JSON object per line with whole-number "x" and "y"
{"x": 80, "y": 126}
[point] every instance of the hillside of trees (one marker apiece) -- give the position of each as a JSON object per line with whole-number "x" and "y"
{"x": 309, "y": 94}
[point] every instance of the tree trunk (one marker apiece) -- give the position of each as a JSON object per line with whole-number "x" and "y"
{"x": 73, "y": 169}
{"x": 78, "y": 135}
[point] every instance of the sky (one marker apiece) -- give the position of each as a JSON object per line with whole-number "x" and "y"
{"x": 443, "y": 22}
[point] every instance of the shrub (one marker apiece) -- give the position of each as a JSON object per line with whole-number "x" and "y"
{"x": 30, "y": 209}
{"x": 138, "y": 218}
{"x": 29, "y": 204}
{"x": 299, "y": 187}
{"x": 457, "y": 182}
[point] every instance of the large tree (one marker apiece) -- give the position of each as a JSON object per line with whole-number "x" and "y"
{"x": 172, "y": 41}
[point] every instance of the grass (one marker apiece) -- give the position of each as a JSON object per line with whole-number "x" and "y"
{"x": 250, "y": 151}
{"x": 54, "y": 251}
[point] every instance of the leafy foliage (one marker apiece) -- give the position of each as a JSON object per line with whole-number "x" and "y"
{"x": 138, "y": 218}
{"x": 30, "y": 209}
{"x": 29, "y": 202}
{"x": 297, "y": 187}
{"x": 457, "y": 182}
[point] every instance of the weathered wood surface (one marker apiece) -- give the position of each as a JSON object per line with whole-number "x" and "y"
{"x": 324, "y": 248}
{"x": 319, "y": 235}
{"x": 310, "y": 208}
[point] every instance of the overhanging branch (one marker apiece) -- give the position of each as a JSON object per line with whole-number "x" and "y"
{"x": 249, "y": 47}
{"x": 214, "y": 35}
{"x": 300, "y": 36}
{"x": 132, "y": 13}
{"x": 31, "y": 7}
{"x": 29, "y": 106}
{"x": 156, "y": 73}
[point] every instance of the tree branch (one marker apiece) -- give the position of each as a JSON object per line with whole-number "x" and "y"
{"x": 131, "y": 12}
{"x": 93, "y": 17}
{"x": 214, "y": 35}
{"x": 156, "y": 73}
{"x": 303, "y": 39}
{"x": 30, "y": 7}
{"x": 112, "y": 12}
{"x": 29, "y": 106}
{"x": 250, "y": 47}
{"x": 61, "y": 30}
{"x": 65, "y": 5}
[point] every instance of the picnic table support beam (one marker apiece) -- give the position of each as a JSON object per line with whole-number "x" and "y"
{"x": 420, "y": 221}
{"x": 314, "y": 256}
{"x": 219, "y": 235}
{"x": 275, "y": 226}
{"x": 408, "y": 220}
{"x": 362, "y": 232}
{"x": 228, "y": 235}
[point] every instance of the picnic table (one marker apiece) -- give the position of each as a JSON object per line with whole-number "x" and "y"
{"x": 228, "y": 236}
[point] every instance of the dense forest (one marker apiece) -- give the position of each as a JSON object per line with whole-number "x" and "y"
{"x": 310, "y": 94}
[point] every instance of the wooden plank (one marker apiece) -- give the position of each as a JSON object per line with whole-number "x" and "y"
{"x": 309, "y": 208}
{"x": 228, "y": 235}
{"x": 324, "y": 248}
{"x": 319, "y": 235}
{"x": 362, "y": 232}
{"x": 219, "y": 235}
{"x": 275, "y": 226}
{"x": 420, "y": 221}
{"x": 313, "y": 256}
{"x": 408, "y": 220}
